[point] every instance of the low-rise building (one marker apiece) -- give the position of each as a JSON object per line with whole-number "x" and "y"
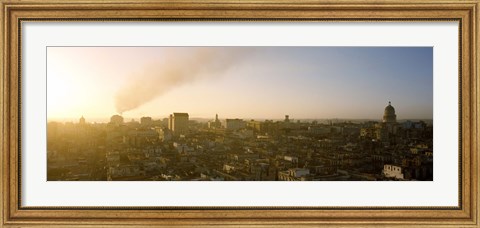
{"x": 393, "y": 171}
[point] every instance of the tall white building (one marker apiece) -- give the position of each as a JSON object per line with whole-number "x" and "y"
{"x": 178, "y": 123}
{"x": 235, "y": 124}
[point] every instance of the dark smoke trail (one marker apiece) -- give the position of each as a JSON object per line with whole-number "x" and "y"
{"x": 182, "y": 65}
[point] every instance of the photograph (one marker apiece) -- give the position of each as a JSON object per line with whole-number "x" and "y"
{"x": 255, "y": 113}
{"x": 239, "y": 113}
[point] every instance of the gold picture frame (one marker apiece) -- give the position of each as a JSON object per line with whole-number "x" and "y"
{"x": 14, "y": 12}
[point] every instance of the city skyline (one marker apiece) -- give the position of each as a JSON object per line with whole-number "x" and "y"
{"x": 178, "y": 149}
{"x": 106, "y": 119}
{"x": 239, "y": 82}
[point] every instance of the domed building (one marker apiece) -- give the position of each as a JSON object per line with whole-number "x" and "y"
{"x": 389, "y": 114}
{"x": 385, "y": 130}
{"x": 116, "y": 119}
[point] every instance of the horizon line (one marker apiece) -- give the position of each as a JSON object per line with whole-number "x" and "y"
{"x": 243, "y": 118}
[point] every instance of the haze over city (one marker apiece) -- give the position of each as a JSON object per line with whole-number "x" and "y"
{"x": 239, "y": 82}
{"x": 240, "y": 114}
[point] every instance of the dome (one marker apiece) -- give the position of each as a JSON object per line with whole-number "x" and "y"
{"x": 389, "y": 110}
{"x": 389, "y": 114}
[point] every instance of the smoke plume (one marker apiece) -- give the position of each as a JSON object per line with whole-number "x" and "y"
{"x": 182, "y": 65}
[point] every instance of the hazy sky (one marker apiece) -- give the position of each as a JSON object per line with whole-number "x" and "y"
{"x": 239, "y": 82}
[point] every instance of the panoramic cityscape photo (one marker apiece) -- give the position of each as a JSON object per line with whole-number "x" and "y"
{"x": 279, "y": 113}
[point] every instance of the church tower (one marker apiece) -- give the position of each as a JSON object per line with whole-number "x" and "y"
{"x": 82, "y": 121}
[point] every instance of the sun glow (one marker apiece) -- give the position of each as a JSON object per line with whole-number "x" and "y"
{"x": 246, "y": 82}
